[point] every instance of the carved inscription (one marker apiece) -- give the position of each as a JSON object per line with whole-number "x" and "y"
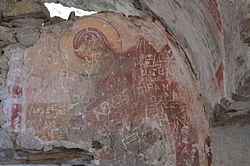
{"x": 88, "y": 85}
{"x": 145, "y": 91}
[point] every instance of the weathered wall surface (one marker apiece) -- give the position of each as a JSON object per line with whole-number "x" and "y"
{"x": 115, "y": 86}
{"x": 230, "y": 145}
{"x": 199, "y": 29}
{"x": 122, "y": 90}
{"x": 215, "y": 37}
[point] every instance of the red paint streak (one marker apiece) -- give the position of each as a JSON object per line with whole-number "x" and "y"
{"x": 16, "y": 90}
{"x": 143, "y": 89}
{"x": 16, "y": 117}
{"x": 213, "y": 9}
{"x": 219, "y": 73}
{"x": 219, "y": 77}
{"x": 207, "y": 150}
{"x": 155, "y": 71}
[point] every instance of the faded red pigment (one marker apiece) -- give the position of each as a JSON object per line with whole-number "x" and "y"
{"x": 15, "y": 95}
{"x": 207, "y": 149}
{"x": 17, "y": 90}
{"x": 213, "y": 8}
{"x": 137, "y": 86}
{"x": 219, "y": 74}
{"x": 219, "y": 77}
{"x": 16, "y": 117}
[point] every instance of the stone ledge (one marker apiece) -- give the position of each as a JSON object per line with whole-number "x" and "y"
{"x": 27, "y": 9}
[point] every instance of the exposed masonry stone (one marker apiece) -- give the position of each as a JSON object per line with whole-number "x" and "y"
{"x": 47, "y": 148}
{"x": 3, "y": 71}
{"x": 2, "y": 115}
{"x": 30, "y": 22}
{"x": 6, "y": 36}
{"x": 54, "y": 20}
{"x": 28, "y": 141}
{"x": 27, "y": 36}
{"x": 5, "y": 141}
{"x": 3, "y": 92}
{"x": 26, "y": 9}
{"x": 58, "y": 28}
{"x": 3, "y": 62}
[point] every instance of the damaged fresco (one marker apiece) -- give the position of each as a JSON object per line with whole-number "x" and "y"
{"x": 113, "y": 85}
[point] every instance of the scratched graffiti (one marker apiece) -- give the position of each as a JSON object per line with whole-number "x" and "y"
{"x": 106, "y": 79}
{"x": 145, "y": 91}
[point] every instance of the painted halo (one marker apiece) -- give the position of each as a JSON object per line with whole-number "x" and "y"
{"x": 90, "y": 31}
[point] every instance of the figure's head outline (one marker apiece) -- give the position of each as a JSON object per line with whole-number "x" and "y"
{"x": 88, "y": 35}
